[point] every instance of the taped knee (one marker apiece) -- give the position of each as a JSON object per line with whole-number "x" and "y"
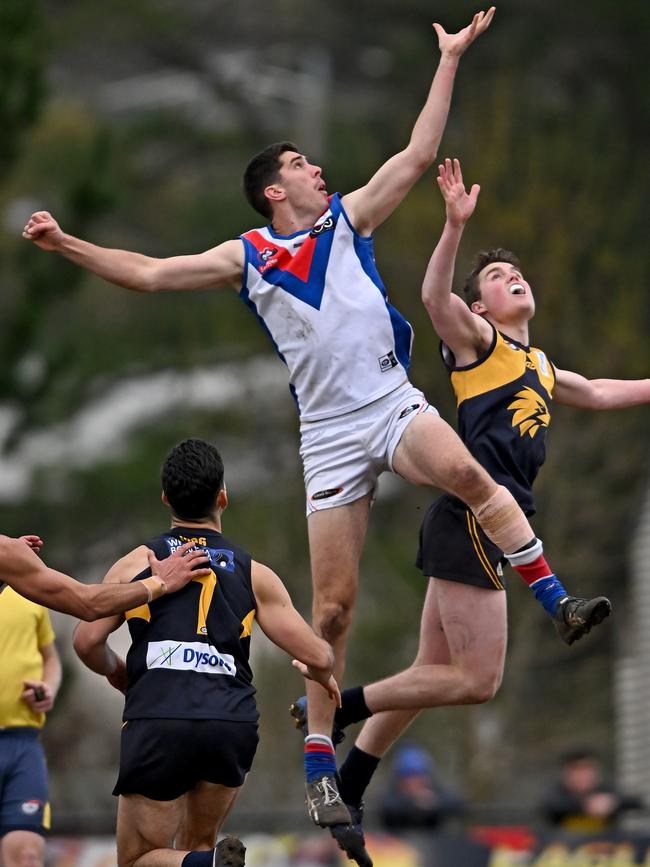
{"x": 503, "y": 521}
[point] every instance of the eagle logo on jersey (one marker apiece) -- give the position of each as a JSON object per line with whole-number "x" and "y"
{"x": 530, "y": 412}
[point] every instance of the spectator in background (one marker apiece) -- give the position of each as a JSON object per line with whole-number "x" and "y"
{"x": 30, "y": 676}
{"x": 417, "y": 798}
{"x": 581, "y": 800}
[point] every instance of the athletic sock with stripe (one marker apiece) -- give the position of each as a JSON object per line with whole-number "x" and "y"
{"x": 531, "y": 565}
{"x": 320, "y": 759}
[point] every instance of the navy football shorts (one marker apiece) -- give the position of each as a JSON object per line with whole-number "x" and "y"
{"x": 23, "y": 782}
{"x": 162, "y": 759}
{"x": 454, "y": 547}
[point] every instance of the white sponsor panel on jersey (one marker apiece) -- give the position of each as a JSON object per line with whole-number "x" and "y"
{"x": 189, "y": 656}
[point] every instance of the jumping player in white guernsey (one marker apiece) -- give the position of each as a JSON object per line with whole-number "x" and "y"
{"x": 310, "y": 276}
{"x": 329, "y": 288}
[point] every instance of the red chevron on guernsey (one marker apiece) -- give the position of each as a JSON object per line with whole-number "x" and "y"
{"x": 299, "y": 264}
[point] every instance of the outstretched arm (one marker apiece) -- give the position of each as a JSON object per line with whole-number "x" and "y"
{"x": 280, "y": 621}
{"x": 572, "y": 389}
{"x": 465, "y": 333}
{"x": 220, "y": 266}
{"x": 370, "y": 205}
{"x": 23, "y": 570}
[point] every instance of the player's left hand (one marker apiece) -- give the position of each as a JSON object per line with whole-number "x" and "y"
{"x": 181, "y": 566}
{"x": 38, "y": 695}
{"x": 455, "y": 44}
{"x": 326, "y": 680}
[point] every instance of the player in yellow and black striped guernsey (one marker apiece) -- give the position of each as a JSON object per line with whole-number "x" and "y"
{"x": 190, "y": 730}
{"x": 503, "y": 387}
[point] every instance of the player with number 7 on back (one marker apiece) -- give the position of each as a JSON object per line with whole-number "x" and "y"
{"x": 190, "y": 719}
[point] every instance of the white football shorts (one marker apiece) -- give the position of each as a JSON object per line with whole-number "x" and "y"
{"x": 343, "y": 457}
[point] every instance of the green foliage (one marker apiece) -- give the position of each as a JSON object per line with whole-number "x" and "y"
{"x": 21, "y": 75}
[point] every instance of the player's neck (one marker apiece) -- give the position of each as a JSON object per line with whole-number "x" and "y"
{"x": 516, "y": 330}
{"x": 201, "y": 524}
{"x": 289, "y": 220}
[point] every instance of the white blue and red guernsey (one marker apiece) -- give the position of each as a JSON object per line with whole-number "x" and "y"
{"x": 319, "y": 296}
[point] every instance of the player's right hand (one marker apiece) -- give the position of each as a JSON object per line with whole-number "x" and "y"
{"x": 322, "y": 676}
{"x": 34, "y": 542}
{"x": 43, "y": 230}
{"x": 118, "y": 677}
{"x": 177, "y": 569}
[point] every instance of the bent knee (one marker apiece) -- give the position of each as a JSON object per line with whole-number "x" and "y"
{"x": 332, "y": 620}
{"x": 469, "y": 481}
{"x": 482, "y": 689}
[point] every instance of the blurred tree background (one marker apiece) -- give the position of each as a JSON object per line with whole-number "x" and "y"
{"x": 132, "y": 122}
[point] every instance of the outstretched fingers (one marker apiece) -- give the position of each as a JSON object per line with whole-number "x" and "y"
{"x": 456, "y": 43}
{"x": 190, "y": 555}
{"x": 486, "y": 19}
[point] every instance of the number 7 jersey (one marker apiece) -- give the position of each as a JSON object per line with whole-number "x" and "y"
{"x": 320, "y": 297}
{"x": 189, "y": 657}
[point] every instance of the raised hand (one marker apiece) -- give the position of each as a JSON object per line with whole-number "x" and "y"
{"x": 179, "y": 568}
{"x": 455, "y": 44}
{"x": 34, "y": 542}
{"x": 43, "y": 230}
{"x": 459, "y": 203}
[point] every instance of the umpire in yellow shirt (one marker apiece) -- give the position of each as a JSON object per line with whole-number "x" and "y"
{"x": 30, "y": 675}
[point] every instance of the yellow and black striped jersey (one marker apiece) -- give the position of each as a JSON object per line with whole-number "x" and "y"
{"x": 190, "y": 649}
{"x": 503, "y": 401}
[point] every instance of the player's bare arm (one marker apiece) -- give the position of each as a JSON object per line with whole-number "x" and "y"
{"x": 221, "y": 266}
{"x": 90, "y": 640}
{"x": 370, "y": 205}
{"x": 40, "y": 695}
{"x": 280, "y": 622}
{"x": 23, "y": 570}
{"x": 465, "y": 333}
{"x": 572, "y": 389}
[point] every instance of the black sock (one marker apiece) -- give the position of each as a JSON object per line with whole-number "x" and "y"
{"x": 354, "y": 707}
{"x": 198, "y": 859}
{"x": 355, "y": 775}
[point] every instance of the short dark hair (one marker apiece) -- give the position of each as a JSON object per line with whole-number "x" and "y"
{"x": 486, "y": 257}
{"x": 262, "y": 170}
{"x": 192, "y": 476}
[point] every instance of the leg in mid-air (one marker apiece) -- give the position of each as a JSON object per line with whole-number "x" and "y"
{"x": 463, "y": 637}
{"x": 431, "y": 453}
{"x": 460, "y": 661}
{"x": 336, "y": 538}
{"x": 178, "y": 832}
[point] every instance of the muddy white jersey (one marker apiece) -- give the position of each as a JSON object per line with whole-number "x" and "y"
{"x": 319, "y": 296}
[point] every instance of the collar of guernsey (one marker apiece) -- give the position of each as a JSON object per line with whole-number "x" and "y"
{"x": 320, "y": 298}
